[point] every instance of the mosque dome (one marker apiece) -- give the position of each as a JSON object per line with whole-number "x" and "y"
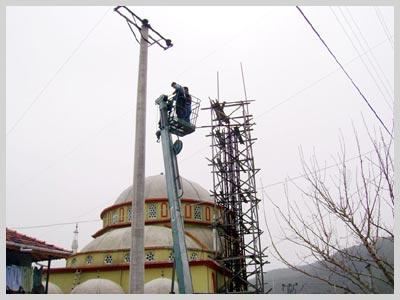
{"x": 52, "y": 288}
{"x": 120, "y": 238}
{"x": 108, "y": 253}
{"x": 155, "y": 187}
{"x": 160, "y": 285}
{"x": 98, "y": 286}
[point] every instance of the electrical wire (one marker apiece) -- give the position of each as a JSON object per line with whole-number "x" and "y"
{"x": 119, "y": 117}
{"x": 362, "y": 60}
{"x": 265, "y": 215}
{"x": 372, "y": 55}
{"x": 220, "y": 46}
{"x": 315, "y": 82}
{"x": 347, "y": 74}
{"x": 295, "y": 94}
{"x": 200, "y": 150}
{"x": 56, "y": 73}
{"x": 77, "y": 146}
{"x": 291, "y": 97}
{"x": 367, "y": 56}
{"x": 130, "y": 27}
{"x": 112, "y": 121}
{"x": 319, "y": 170}
{"x": 54, "y": 224}
{"x": 383, "y": 24}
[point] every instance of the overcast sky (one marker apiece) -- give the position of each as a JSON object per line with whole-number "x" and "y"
{"x": 70, "y": 150}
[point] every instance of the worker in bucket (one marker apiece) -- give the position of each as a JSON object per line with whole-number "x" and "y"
{"x": 188, "y": 104}
{"x": 180, "y": 100}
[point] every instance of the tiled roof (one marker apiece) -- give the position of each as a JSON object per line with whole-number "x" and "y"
{"x": 19, "y": 238}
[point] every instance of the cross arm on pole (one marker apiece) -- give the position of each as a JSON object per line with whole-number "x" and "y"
{"x": 157, "y": 39}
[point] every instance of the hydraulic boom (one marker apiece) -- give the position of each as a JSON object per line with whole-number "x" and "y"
{"x": 174, "y": 190}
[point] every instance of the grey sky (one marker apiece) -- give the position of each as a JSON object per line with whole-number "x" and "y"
{"x": 72, "y": 153}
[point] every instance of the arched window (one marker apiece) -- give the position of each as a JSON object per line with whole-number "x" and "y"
{"x": 197, "y": 212}
{"x": 164, "y": 210}
{"x": 188, "y": 211}
{"x": 130, "y": 214}
{"x": 89, "y": 259}
{"x": 121, "y": 214}
{"x": 194, "y": 256}
{"x": 171, "y": 256}
{"x": 108, "y": 259}
{"x": 152, "y": 211}
{"x": 149, "y": 256}
{"x": 208, "y": 214}
{"x": 114, "y": 217}
{"x": 127, "y": 257}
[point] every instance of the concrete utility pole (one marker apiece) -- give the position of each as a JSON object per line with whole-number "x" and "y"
{"x": 136, "y": 265}
{"x": 136, "y": 285}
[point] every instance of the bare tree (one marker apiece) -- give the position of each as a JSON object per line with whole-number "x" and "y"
{"x": 353, "y": 206}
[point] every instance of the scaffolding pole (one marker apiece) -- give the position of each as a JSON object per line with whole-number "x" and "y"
{"x": 234, "y": 178}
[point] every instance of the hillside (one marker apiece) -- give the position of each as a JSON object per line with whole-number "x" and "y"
{"x": 283, "y": 281}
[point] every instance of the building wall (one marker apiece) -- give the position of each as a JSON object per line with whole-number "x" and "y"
{"x": 201, "y": 278}
{"x": 158, "y": 210}
{"x": 121, "y": 256}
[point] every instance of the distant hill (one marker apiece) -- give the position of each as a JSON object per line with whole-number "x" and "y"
{"x": 283, "y": 281}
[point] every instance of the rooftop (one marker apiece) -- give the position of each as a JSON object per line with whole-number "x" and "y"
{"x": 40, "y": 250}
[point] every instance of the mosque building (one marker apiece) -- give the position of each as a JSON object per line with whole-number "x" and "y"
{"x": 102, "y": 266}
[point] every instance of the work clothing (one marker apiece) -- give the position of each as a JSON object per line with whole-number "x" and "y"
{"x": 180, "y": 100}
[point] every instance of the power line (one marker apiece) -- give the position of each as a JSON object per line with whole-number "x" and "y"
{"x": 73, "y": 149}
{"x": 119, "y": 117}
{"x": 383, "y": 23}
{"x": 312, "y": 223}
{"x": 297, "y": 93}
{"x": 263, "y": 113}
{"x": 201, "y": 149}
{"x": 226, "y": 42}
{"x": 87, "y": 221}
{"x": 319, "y": 170}
{"x": 112, "y": 121}
{"x": 317, "y": 81}
{"x": 265, "y": 217}
{"x": 372, "y": 54}
{"x": 56, "y": 73}
{"x": 362, "y": 48}
{"x": 55, "y": 224}
{"x": 348, "y": 76}
{"x": 260, "y": 189}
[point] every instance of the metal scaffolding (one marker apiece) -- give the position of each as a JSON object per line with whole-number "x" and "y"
{"x": 237, "y": 225}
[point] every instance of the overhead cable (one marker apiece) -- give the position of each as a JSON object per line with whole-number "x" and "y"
{"x": 316, "y": 171}
{"x": 316, "y": 82}
{"x": 55, "y": 224}
{"x": 372, "y": 53}
{"x": 362, "y": 60}
{"x": 383, "y": 23}
{"x": 368, "y": 58}
{"x": 345, "y": 72}
{"x": 120, "y": 117}
{"x": 56, "y": 73}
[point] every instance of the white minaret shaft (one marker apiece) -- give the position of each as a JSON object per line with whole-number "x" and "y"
{"x": 74, "y": 245}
